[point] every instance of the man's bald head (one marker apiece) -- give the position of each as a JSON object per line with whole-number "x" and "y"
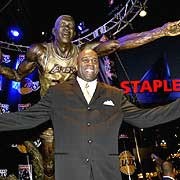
{"x": 168, "y": 169}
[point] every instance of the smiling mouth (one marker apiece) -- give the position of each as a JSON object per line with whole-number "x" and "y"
{"x": 89, "y": 70}
{"x": 66, "y": 35}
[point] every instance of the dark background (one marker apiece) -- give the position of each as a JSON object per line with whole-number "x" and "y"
{"x": 33, "y": 17}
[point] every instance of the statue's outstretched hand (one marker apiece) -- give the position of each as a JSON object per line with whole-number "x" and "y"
{"x": 172, "y": 28}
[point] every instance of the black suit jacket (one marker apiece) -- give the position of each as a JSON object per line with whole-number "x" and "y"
{"x": 86, "y": 136}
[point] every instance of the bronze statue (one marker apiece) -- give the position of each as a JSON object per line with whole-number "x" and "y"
{"x": 56, "y": 63}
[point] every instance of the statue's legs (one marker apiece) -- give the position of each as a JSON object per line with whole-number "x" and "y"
{"x": 48, "y": 153}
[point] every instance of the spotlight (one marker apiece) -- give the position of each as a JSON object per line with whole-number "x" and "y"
{"x": 14, "y": 34}
{"x": 82, "y": 28}
{"x": 143, "y": 13}
{"x": 110, "y": 2}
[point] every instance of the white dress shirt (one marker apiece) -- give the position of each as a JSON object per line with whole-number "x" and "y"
{"x": 92, "y": 86}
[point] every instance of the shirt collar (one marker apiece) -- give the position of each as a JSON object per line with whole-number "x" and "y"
{"x": 91, "y": 88}
{"x": 168, "y": 177}
{"x": 83, "y": 82}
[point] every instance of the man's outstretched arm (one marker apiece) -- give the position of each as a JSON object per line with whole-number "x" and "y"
{"x": 32, "y": 117}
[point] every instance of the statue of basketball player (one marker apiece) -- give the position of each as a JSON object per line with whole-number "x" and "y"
{"x": 56, "y": 62}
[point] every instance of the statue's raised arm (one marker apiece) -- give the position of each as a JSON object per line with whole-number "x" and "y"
{"x": 138, "y": 39}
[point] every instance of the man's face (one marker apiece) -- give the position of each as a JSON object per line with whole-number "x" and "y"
{"x": 88, "y": 65}
{"x": 64, "y": 30}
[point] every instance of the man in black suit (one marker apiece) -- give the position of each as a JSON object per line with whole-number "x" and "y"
{"x": 56, "y": 62}
{"x": 168, "y": 171}
{"x": 86, "y": 129}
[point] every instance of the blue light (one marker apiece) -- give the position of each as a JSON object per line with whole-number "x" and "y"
{"x": 81, "y": 26}
{"x": 15, "y": 33}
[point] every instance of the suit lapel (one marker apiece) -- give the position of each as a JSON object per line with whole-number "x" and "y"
{"x": 77, "y": 90}
{"x": 98, "y": 92}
